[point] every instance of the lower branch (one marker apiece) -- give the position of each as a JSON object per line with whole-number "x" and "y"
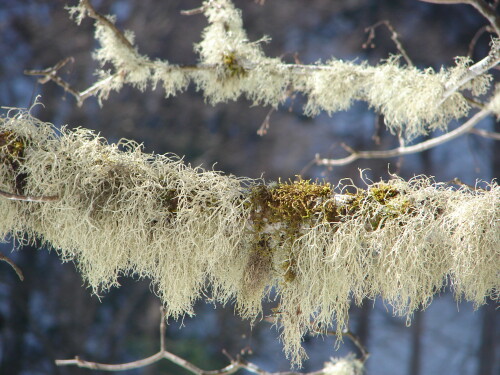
{"x": 235, "y": 365}
{"x": 314, "y": 244}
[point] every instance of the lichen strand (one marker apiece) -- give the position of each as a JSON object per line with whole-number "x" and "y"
{"x": 256, "y": 276}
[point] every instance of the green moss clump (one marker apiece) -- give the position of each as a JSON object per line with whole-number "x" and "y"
{"x": 12, "y": 147}
{"x": 232, "y": 65}
{"x": 292, "y": 206}
{"x": 383, "y": 193}
{"x": 380, "y": 203}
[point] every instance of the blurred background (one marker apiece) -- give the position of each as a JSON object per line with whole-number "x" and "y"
{"x": 52, "y": 315}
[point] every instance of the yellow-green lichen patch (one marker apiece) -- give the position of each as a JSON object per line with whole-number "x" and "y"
{"x": 285, "y": 210}
{"x": 383, "y": 193}
{"x": 12, "y": 147}
{"x": 293, "y": 204}
{"x": 233, "y": 66}
{"x": 379, "y": 203}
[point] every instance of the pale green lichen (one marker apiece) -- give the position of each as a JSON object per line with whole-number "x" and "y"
{"x": 190, "y": 231}
{"x": 413, "y": 101}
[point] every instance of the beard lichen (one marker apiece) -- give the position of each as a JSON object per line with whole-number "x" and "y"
{"x": 188, "y": 230}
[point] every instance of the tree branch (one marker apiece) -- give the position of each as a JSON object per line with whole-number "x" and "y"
{"x": 394, "y": 36}
{"x": 28, "y": 198}
{"x": 486, "y": 10}
{"x": 13, "y": 265}
{"x": 235, "y": 365}
{"x": 106, "y": 22}
{"x": 133, "y": 68}
{"x": 356, "y": 341}
{"x": 404, "y": 150}
{"x": 156, "y": 205}
{"x": 485, "y": 133}
{"x": 474, "y": 71}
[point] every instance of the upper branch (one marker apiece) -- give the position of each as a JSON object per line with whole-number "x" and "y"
{"x": 231, "y": 66}
{"x": 106, "y": 22}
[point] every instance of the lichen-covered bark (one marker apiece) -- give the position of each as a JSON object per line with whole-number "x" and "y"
{"x": 122, "y": 212}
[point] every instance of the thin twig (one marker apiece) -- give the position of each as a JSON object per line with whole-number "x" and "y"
{"x": 28, "y": 198}
{"x": 405, "y": 150}
{"x": 235, "y": 363}
{"x": 181, "y": 362}
{"x": 486, "y": 10}
{"x": 264, "y": 127}
{"x": 457, "y": 181}
{"x": 394, "y": 36}
{"x": 473, "y": 102}
{"x": 192, "y": 12}
{"x": 13, "y": 265}
{"x": 475, "y": 38}
{"x": 163, "y": 329}
{"x": 485, "y": 133}
{"x": 355, "y": 340}
{"x": 49, "y": 72}
{"x": 106, "y": 22}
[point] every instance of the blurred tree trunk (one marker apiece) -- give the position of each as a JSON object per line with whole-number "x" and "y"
{"x": 486, "y": 355}
{"x": 363, "y": 328}
{"x": 416, "y": 344}
{"x": 17, "y": 321}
